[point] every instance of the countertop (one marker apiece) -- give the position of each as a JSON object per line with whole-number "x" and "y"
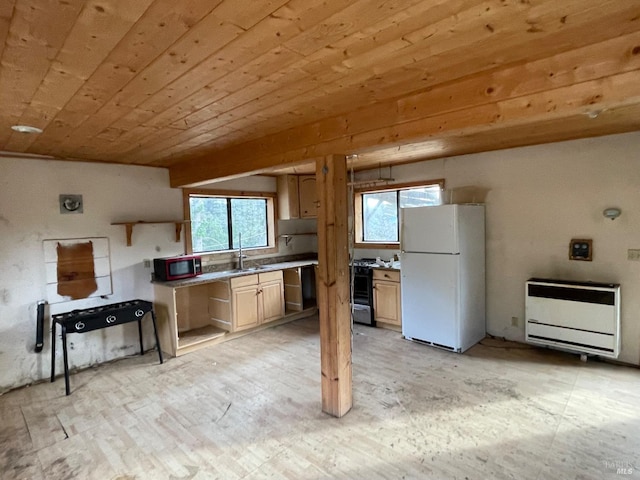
{"x": 393, "y": 269}
{"x": 225, "y": 275}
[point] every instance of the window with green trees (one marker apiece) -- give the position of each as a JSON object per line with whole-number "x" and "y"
{"x": 379, "y": 210}
{"x": 219, "y": 223}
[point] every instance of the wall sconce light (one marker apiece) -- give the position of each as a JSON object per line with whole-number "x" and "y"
{"x": 612, "y": 213}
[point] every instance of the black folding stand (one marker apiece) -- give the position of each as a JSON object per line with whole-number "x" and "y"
{"x": 80, "y": 321}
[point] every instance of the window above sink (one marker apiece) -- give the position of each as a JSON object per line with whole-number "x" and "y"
{"x": 216, "y": 219}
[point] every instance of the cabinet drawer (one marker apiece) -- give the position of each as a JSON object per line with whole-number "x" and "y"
{"x": 244, "y": 281}
{"x": 388, "y": 275}
{"x": 270, "y": 276}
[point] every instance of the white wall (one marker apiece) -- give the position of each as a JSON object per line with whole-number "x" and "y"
{"x": 539, "y": 198}
{"x": 29, "y": 214}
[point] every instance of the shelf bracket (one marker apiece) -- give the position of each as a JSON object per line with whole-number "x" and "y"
{"x": 129, "y": 228}
{"x": 178, "y": 230}
{"x": 289, "y": 236}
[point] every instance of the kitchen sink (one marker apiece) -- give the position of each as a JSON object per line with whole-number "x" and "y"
{"x": 246, "y": 269}
{"x": 252, "y": 269}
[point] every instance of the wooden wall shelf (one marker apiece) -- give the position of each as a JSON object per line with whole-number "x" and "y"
{"x": 129, "y": 227}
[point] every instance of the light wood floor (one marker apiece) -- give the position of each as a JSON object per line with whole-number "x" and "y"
{"x": 250, "y": 408}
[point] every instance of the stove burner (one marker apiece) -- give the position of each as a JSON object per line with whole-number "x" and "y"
{"x": 363, "y": 262}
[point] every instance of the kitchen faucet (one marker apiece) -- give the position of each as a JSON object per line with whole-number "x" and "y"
{"x": 241, "y": 257}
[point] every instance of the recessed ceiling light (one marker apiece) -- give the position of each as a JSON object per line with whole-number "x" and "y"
{"x": 26, "y": 129}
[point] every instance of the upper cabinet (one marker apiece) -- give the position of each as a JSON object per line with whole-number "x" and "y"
{"x": 308, "y": 196}
{"x": 297, "y": 197}
{"x": 288, "y": 201}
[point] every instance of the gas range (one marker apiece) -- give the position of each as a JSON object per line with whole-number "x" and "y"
{"x": 362, "y": 266}
{"x": 362, "y": 288}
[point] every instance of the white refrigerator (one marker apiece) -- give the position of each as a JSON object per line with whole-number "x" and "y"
{"x": 443, "y": 275}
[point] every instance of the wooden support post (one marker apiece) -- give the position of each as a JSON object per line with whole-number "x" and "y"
{"x": 333, "y": 288}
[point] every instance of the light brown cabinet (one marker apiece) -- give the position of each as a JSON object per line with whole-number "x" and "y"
{"x": 288, "y": 197}
{"x": 292, "y": 290}
{"x": 246, "y": 307}
{"x": 308, "y": 196}
{"x": 184, "y": 319}
{"x": 256, "y": 299}
{"x": 272, "y": 300}
{"x": 245, "y": 303}
{"x": 299, "y": 288}
{"x": 194, "y": 316}
{"x": 386, "y": 298}
{"x": 297, "y": 196}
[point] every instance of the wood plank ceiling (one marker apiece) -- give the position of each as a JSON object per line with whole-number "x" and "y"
{"x": 215, "y": 89}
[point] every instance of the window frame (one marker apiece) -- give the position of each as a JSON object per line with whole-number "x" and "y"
{"x": 358, "y": 222}
{"x": 272, "y": 234}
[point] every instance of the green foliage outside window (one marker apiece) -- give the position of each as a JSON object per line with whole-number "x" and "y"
{"x": 381, "y": 210}
{"x": 217, "y": 222}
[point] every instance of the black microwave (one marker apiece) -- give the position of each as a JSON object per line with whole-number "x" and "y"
{"x": 176, "y": 268}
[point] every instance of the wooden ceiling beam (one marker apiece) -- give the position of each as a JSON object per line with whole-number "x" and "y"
{"x": 156, "y": 82}
{"x": 584, "y": 68}
{"x": 299, "y": 83}
{"x": 565, "y": 102}
{"x": 454, "y": 61}
{"x": 618, "y": 120}
{"x": 497, "y": 136}
{"x": 229, "y": 54}
{"x": 302, "y": 15}
{"x": 201, "y": 61}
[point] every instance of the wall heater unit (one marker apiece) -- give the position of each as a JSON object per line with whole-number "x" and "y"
{"x": 581, "y": 317}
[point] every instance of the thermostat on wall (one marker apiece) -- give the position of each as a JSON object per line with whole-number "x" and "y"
{"x": 581, "y": 249}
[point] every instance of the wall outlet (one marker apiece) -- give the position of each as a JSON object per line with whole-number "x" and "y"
{"x": 633, "y": 254}
{"x": 514, "y": 321}
{"x": 146, "y": 263}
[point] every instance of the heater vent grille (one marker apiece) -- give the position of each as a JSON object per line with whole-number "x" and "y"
{"x": 579, "y": 317}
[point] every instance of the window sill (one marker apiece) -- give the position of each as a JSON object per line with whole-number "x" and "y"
{"x": 388, "y": 246}
{"x": 246, "y": 251}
